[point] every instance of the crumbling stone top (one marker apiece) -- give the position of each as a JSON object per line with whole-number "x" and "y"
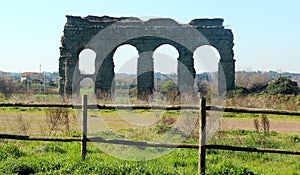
{"x": 77, "y": 20}
{"x": 216, "y": 22}
{"x": 162, "y": 22}
{"x": 110, "y": 19}
{"x": 199, "y": 23}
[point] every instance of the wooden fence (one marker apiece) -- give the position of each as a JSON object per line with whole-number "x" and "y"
{"x": 202, "y": 146}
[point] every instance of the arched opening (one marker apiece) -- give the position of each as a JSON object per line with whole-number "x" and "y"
{"x": 86, "y": 63}
{"x": 125, "y": 80}
{"x": 206, "y": 61}
{"x": 86, "y": 86}
{"x": 165, "y": 65}
{"x": 165, "y": 59}
{"x": 125, "y": 59}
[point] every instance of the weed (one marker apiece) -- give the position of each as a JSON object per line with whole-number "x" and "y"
{"x": 23, "y": 126}
{"x": 256, "y": 124}
{"x": 161, "y": 128}
{"x": 240, "y": 132}
{"x": 167, "y": 120}
{"x": 264, "y": 125}
{"x": 58, "y": 117}
{"x": 295, "y": 138}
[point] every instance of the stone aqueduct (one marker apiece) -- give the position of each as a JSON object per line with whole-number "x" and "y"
{"x": 78, "y": 32}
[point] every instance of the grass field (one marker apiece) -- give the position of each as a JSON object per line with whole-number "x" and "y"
{"x": 27, "y": 157}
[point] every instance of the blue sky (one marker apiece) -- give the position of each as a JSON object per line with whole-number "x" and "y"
{"x": 266, "y": 33}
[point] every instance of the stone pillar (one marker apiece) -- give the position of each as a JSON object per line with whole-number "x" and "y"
{"x": 61, "y": 71}
{"x": 226, "y": 70}
{"x": 226, "y": 76}
{"x": 145, "y": 70}
{"x": 186, "y": 71}
{"x": 104, "y": 84}
{"x": 70, "y": 65}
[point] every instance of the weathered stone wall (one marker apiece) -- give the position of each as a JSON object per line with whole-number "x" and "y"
{"x": 79, "y": 31}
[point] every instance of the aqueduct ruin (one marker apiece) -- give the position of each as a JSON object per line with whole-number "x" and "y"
{"x": 79, "y": 32}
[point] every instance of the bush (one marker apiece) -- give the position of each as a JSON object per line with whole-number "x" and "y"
{"x": 238, "y": 91}
{"x": 58, "y": 118}
{"x": 258, "y": 87}
{"x": 282, "y": 86}
{"x": 295, "y": 138}
{"x": 169, "y": 86}
{"x": 7, "y": 87}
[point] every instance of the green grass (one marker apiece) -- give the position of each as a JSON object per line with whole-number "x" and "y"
{"x": 25, "y": 157}
{"x": 23, "y": 110}
{"x": 30, "y": 97}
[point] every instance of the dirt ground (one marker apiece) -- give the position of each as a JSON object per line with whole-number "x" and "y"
{"x": 31, "y": 124}
{"x": 281, "y": 125}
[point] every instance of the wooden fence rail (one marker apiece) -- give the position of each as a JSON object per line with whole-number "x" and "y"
{"x": 146, "y": 144}
{"x": 202, "y": 146}
{"x": 155, "y": 107}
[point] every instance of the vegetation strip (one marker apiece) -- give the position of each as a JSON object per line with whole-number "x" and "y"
{"x": 31, "y": 138}
{"x": 100, "y": 106}
{"x": 247, "y": 149}
{"x": 252, "y": 110}
{"x": 143, "y": 144}
{"x": 150, "y": 144}
{"x": 36, "y": 105}
{"x": 135, "y": 107}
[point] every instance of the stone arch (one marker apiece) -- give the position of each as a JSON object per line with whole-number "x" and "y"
{"x": 86, "y": 61}
{"x": 104, "y": 79}
{"x": 209, "y": 58}
{"x": 74, "y": 70}
{"x": 104, "y": 34}
{"x": 130, "y": 53}
{"x": 86, "y": 86}
{"x": 146, "y": 46}
{"x": 206, "y": 61}
{"x": 165, "y": 58}
{"x": 165, "y": 54}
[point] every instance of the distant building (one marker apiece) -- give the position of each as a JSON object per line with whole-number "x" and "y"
{"x": 32, "y": 76}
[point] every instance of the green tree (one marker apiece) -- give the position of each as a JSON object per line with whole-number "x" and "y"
{"x": 7, "y": 87}
{"x": 283, "y": 86}
{"x": 169, "y": 86}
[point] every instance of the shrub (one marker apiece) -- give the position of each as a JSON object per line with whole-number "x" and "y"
{"x": 295, "y": 138}
{"x": 169, "y": 86}
{"x": 161, "y": 128}
{"x": 238, "y": 91}
{"x": 258, "y": 87}
{"x": 23, "y": 126}
{"x": 57, "y": 118}
{"x": 263, "y": 125}
{"x": 282, "y": 86}
{"x": 7, "y": 87}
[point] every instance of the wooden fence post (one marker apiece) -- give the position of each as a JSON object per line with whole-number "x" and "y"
{"x": 84, "y": 126}
{"x": 202, "y": 137}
